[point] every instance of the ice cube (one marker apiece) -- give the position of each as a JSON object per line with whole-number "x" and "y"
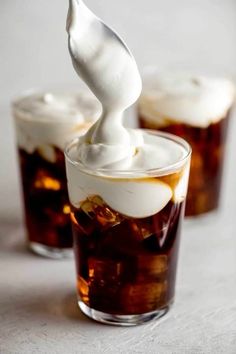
{"x": 151, "y": 267}
{"x": 143, "y": 228}
{"x": 83, "y": 289}
{"x": 82, "y": 222}
{"x": 104, "y": 271}
{"x": 96, "y": 200}
{"x": 143, "y": 297}
{"x": 87, "y": 208}
{"x": 121, "y": 240}
{"x": 43, "y": 180}
{"x": 95, "y": 208}
{"x": 105, "y": 216}
{"x": 104, "y": 283}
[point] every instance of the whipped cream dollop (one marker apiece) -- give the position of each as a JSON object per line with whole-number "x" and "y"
{"x": 183, "y": 98}
{"x": 57, "y": 106}
{"x": 106, "y": 65}
{"x": 50, "y": 119}
{"x": 115, "y": 162}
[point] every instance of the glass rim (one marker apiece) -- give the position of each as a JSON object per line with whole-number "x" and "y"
{"x": 160, "y": 171}
{"x": 57, "y": 89}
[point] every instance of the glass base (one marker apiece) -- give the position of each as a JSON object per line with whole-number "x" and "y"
{"x": 122, "y": 320}
{"x": 50, "y": 252}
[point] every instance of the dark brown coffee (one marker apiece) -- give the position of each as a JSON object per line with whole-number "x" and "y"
{"x": 207, "y": 162}
{"x": 125, "y": 265}
{"x": 46, "y": 199}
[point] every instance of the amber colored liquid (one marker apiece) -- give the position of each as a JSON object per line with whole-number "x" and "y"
{"x": 125, "y": 265}
{"x": 46, "y": 199}
{"x": 207, "y": 161}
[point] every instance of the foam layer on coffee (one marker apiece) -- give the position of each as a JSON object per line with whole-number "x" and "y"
{"x": 180, "y": 98}
{"x": 51, "y": 119}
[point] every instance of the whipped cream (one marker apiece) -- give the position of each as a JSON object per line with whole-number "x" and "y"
{"x": 108, "y": 68}
{"x": 136, "y": 194}
{"x": 182, "y": 98}
{"x": 48, "y": 119}
{"x": 106, "y": 65}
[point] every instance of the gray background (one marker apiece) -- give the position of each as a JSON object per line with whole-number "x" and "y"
{"x": 185, "y": 34}
{"x": 38, "y": 311}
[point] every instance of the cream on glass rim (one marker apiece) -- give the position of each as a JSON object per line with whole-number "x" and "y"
{"x": 44, "y": 122}
{"x": 127, "y": 187}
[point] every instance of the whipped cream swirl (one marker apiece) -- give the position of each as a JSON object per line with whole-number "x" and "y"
{"x": 106, "y": 65}
{"x": 108, "y": 68}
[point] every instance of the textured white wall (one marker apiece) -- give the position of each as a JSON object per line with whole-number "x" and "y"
{"x": 192, "y": 34}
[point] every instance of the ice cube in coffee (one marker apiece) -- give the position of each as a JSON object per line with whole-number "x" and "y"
{"x": 126, "y": 229}
{"x": 197, "y": 109}
{"x": 44, "y": 122}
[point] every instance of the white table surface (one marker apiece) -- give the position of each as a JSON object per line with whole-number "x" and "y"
{"x": 39, "y": 314}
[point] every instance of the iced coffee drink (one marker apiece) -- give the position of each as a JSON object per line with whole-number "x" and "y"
{"x": 44, "y": 123}
{"x": 126, "y": 228}
{"x": 126, "y": 187}
{"x": 197, "y": 109}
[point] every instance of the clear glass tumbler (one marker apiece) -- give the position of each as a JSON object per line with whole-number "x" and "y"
{"x": 126, "y": 228}
{"x": 44, "y": 123}
{"x": 198, "y": 110}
